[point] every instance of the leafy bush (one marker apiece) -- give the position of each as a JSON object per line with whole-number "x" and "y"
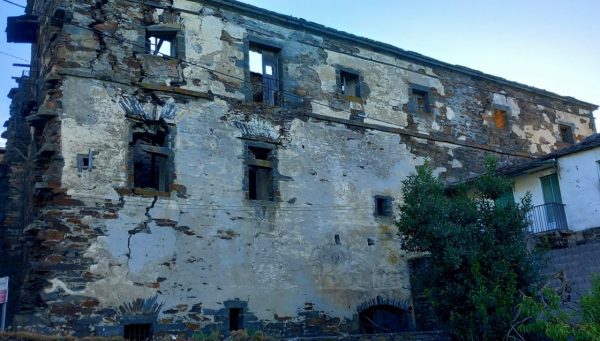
{"x": 479, "y": 262}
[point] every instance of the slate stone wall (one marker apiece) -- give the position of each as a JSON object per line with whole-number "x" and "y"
{"x": 96, "y": 251}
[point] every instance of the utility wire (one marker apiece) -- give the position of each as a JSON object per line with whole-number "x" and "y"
{"x": 208, "y": 69}
{"x": 13, "y": 56}
{"x": 63, "y": 20}
{"x": 381, "y": 62}
{"x": 12, "y": 3}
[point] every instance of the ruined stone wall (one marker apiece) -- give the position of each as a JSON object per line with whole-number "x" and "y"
{"x": 14, "y": 189}
{"x": 103, "y": 254}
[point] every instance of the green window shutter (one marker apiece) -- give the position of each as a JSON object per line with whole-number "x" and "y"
{"x": 551, "y": 189}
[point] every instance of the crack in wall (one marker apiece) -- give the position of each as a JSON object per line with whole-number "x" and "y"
{"x": 142, "y": 227}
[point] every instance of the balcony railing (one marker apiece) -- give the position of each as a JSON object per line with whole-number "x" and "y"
{"x": 547, "y": 217}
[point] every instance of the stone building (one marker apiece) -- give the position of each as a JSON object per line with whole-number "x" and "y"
{"x": 186, "y": 165}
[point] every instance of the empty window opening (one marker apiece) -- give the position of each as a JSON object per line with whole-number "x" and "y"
{"x": 566, "y": 133}
{"x": 259, "y": 153}
{"x": 349, "y": 84}
{"x": 383, "y": 319}
{"x": 85, "y": 162}
{"x": 500, "y": 118}
{"x": 138, "y": 332}
{"x": 150, "y": 161}
{"x": 260, "y": 173}
{"x": 264, "y": 75}
{"x": 161, "y": 43}
{"x": 383, "y": 206}
{"x": 419, "y": 101}
{"x": 235, "y": 319}
{"x": 337, "y": 239}
{"x": 370, "y": 241}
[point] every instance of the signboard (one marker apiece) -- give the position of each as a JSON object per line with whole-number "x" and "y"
{"x": 3, "y": 290}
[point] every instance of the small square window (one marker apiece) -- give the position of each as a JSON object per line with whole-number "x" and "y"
{"x": 138, "y": 332}
{"x": 349, "y": 84}
{"x": 383, "y": 206}
{"x": 566, "y": 133}
{"x": 500, "y": 118}
{"x": 162, "y": 43}
{"x": 419, "y": 100}
{"x": 85, "y": 162}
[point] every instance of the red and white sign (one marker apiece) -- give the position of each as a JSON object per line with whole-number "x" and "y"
{"x": 3, "y": 290}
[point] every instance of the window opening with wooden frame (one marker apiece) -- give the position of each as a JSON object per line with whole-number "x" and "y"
{"x": 264, "y": 75}
{"x": 260, "y": 173}
{"x": 150, "y": 156}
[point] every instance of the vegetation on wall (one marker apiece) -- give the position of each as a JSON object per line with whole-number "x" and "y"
{"x": 475, "y": 240}
{"x": 543, "y": 313}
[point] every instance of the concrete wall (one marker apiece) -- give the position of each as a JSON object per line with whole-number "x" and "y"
{"x": 101, "y": 253}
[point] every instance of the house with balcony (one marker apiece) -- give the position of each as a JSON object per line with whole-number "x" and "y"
{"x": 564, "y": 187}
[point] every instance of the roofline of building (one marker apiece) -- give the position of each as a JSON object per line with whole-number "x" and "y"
{"x": 590, "y": 142}
{"x": 377, "y": 46}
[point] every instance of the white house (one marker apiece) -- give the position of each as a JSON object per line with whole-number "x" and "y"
{"x": 565, "y": 187}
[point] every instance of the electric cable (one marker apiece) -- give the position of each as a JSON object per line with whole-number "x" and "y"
{"x": 285, "y": 92}
{"x": 12, "y": 3}
{"x": 13, "y": 56}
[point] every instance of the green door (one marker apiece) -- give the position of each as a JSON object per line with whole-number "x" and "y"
{"x": 552, "y": 197}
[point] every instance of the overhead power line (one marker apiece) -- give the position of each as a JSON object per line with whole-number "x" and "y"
{"x": 288, "y": 93}
{"x": 12, "y": 3}
{"x": 13, "y": 56}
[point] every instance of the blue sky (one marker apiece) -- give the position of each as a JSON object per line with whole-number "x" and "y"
{"x": 549, "y": 44}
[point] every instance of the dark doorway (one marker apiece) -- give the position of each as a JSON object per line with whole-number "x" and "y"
{"x": 382, "y": 319}
{"x": 138, "y": 332}
{"x": 235, "y": 319}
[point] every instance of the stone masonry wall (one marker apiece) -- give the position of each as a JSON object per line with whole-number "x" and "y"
{"x": 101, "y": 254}
{"x": 573, "y": 262}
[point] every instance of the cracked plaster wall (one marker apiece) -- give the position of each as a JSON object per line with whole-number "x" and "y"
{"x": 203, "y": 245}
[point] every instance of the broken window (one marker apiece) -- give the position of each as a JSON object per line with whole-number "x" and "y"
{"x": 500, "y": 118}
{"x": 419, "y": 100}
{"x": 150, "y": 158}
{"x": 264, "y": 75}
{"x": 349, "y": 84}
{"x": 260, "y": 173}
{"x": 383, "y": 206}
{"x": 138, "y": 332}
{"x": 235, "y": 319}
{"x": 566, "y": 133}
{"x": 162, "y": 42}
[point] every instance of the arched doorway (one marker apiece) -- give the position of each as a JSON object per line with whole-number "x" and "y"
{"x": 382, "y": 318}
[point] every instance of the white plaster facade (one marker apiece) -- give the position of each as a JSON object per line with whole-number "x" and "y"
{"x": 579, "y": 181}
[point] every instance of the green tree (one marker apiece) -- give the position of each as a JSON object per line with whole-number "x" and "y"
{"x": 475, "y": 241}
